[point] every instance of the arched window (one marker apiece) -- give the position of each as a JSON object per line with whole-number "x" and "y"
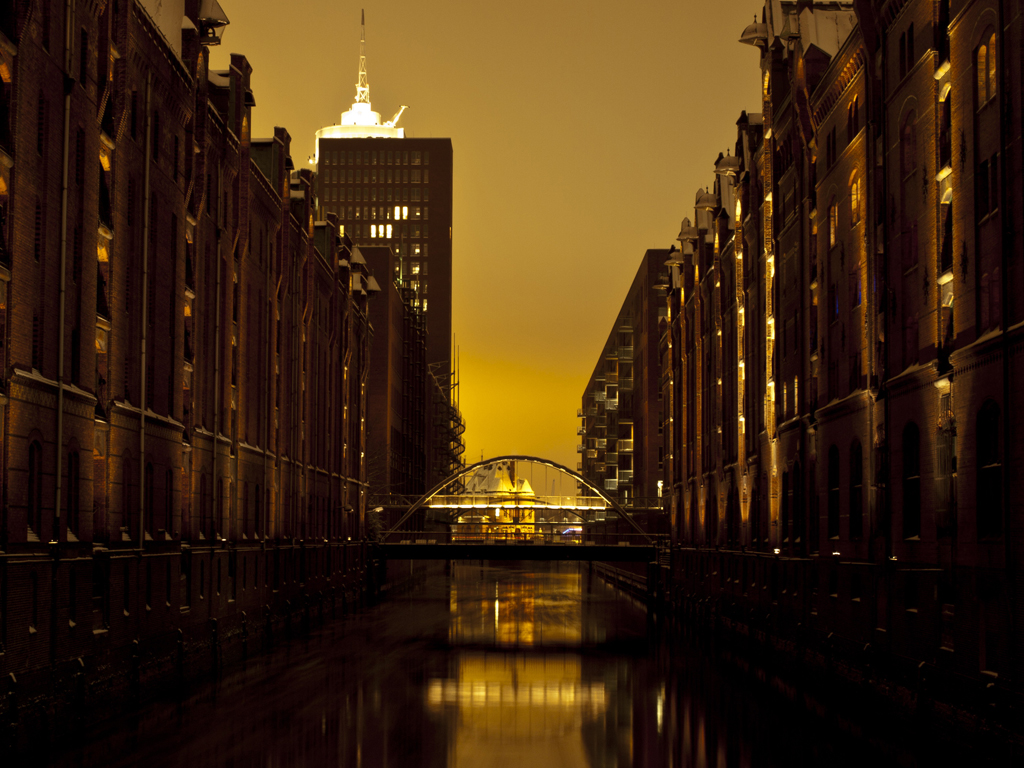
{"x": 989, "y": 476}
{"x": 169, "y": 501}
{"x": 787, "y": 500}
{"x": 74, "y": 492}
{"x": 911, "y": 481}
{"x": 754, "y": 517}
{"x": 833, "y": 492}
{"x": 833, "y": 224}
{"x": 128, "y": 517}
{"x": 35, "y": 487}
{"x": 798, "y": 505}
{"x": 148, "y": 490}
{"x": 855, "y": 200}
{"x": 946, "y": 128}
{"x": 985, "y": 69}
{"x": 908, "y": 145}
{"x": 856, "y": 490}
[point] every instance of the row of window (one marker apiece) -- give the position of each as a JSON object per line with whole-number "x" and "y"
{"x": 368, "y": 157}
{"x": 389, "y": 232}
{"x": 385, "y": 213}
{"x": 988, "y": 482}
{"x": 373, "y": 194}
{"x": 333, "y": 176}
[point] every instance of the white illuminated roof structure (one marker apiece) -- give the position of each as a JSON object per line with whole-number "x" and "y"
{"x": 361, "y": 122}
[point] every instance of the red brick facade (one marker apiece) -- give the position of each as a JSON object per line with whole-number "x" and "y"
{"x": 844, "y": 349}
{"x": 185, "y": 349}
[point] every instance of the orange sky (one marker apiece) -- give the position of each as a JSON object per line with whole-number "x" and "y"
{"x": 581, "y": 132}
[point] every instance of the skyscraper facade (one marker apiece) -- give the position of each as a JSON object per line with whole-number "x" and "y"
{"x": 390, "y": 190}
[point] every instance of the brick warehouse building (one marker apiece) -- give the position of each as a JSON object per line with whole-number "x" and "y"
{"x": 842, "y": 354}
{"x": 171, "y": 303}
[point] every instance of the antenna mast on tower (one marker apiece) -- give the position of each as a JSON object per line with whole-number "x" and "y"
{"x": 362, "y": 87}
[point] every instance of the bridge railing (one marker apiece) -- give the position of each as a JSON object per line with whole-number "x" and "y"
{"x": 533, "y": 538}
{"x": 463, "y": 499}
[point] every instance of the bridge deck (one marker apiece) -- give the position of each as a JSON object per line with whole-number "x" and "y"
{"x": 425, "y": 550}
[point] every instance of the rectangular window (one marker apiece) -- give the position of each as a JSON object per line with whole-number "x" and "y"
{"x": 981, "y": 186}
{"x": 83, "y": 57}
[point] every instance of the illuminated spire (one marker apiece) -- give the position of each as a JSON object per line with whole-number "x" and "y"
{"x": 360, "y": 120}
{"x": 362, "y": 87}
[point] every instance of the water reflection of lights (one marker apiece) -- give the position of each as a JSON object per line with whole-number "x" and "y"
{"x": 475, "y": 693}
{"x": 528, "y": 612}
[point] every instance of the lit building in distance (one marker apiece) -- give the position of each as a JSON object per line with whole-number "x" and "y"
{"x": 398, "y": 194}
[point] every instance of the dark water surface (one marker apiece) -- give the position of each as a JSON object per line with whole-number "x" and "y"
{"x": 502, "y": 666}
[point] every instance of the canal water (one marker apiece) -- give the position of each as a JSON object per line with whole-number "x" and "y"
{"x": 518, "y": 665}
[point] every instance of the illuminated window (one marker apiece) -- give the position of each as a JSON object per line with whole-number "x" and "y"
{"x": 833, "y": 225}
{"x": 424, "y": 305}
{"x": 398, "y": 212}
{"x": 415, "y": 268}
{"x": 405, "y": 212}
{"x": 373, "y": 230}
{"x": 416, "y": 212}
{"x": 985, "y": 66}
{"x": 854, "y": 199}
{"x": 389, "y": 231}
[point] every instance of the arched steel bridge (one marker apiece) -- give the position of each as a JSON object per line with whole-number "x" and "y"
{"x": 454, "y": 539}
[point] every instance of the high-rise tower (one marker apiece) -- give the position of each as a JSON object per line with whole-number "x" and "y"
{"x": 390, "y": 189}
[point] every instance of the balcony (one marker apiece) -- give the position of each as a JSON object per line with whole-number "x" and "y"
{"x": 579, "y": 413}
{"x": 611, "y": 484}
{"x": 626, "y": 383}
{"x": 612, "y": 404}
{"x": 611, "y": 457}
{"x": 591, "y": 453}
{"x": 602, "y": 443}
{"x": 626, "y": 446}
{"x": 579, "y": 449}
{"x": 626, "y": 476}
{"x": 581, "y": 431}
{"x": 625, "y": 353}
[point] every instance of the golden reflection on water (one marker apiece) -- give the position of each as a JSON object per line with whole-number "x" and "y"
{"x": 532, "y": 609}
{"x": 513, "y": 708}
